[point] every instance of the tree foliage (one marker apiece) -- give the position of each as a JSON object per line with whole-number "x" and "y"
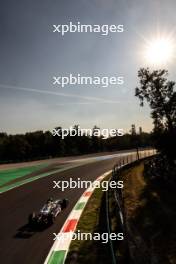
{"x": 160, "y": 94}
{"x": 40, "y": 145}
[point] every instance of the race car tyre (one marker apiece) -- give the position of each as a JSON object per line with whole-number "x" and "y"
{"x": 51, "y": 219}
{"x": 31, "y": 218}
{"x": 64, "y": 203}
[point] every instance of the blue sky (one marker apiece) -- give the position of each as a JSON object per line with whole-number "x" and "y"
{"x": 31, "y": 54}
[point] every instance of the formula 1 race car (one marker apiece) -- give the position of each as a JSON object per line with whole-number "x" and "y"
{"x": 48, "y": 212}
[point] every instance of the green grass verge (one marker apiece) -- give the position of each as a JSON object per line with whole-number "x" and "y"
{"x": 12, "y": 174}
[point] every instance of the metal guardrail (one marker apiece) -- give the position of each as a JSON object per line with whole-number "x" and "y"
{"x": 113, "y": 257}
{"x": 118, "y": 195}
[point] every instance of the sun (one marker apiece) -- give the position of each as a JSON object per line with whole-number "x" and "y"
{"x": 159, "y": 51}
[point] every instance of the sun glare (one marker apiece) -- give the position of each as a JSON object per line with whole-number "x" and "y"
{"x": 159, "y": 51}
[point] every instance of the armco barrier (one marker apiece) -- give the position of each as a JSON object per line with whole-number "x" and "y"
{"x": 124, "y": 162}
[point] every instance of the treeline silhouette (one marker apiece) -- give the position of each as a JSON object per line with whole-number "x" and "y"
{"x": 160, "y": 94}
{"x": 41, "y": 145}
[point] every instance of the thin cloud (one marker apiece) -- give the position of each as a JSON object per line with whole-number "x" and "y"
{"x": 87, "y": 103}
{"x": 97, "y": 99}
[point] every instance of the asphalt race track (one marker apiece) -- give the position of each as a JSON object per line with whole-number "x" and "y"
{"x": 18, "y": 243}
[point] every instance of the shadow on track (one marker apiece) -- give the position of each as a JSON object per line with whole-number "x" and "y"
{"x": 27, "y": 231}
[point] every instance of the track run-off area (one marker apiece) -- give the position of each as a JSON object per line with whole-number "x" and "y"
{"x": 18, "y": 243}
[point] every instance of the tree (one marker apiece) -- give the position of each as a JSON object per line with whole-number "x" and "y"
{"x": 135, "y": 139}
{"x": 161, "y": 97}
{"x": 133, "y": 130}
